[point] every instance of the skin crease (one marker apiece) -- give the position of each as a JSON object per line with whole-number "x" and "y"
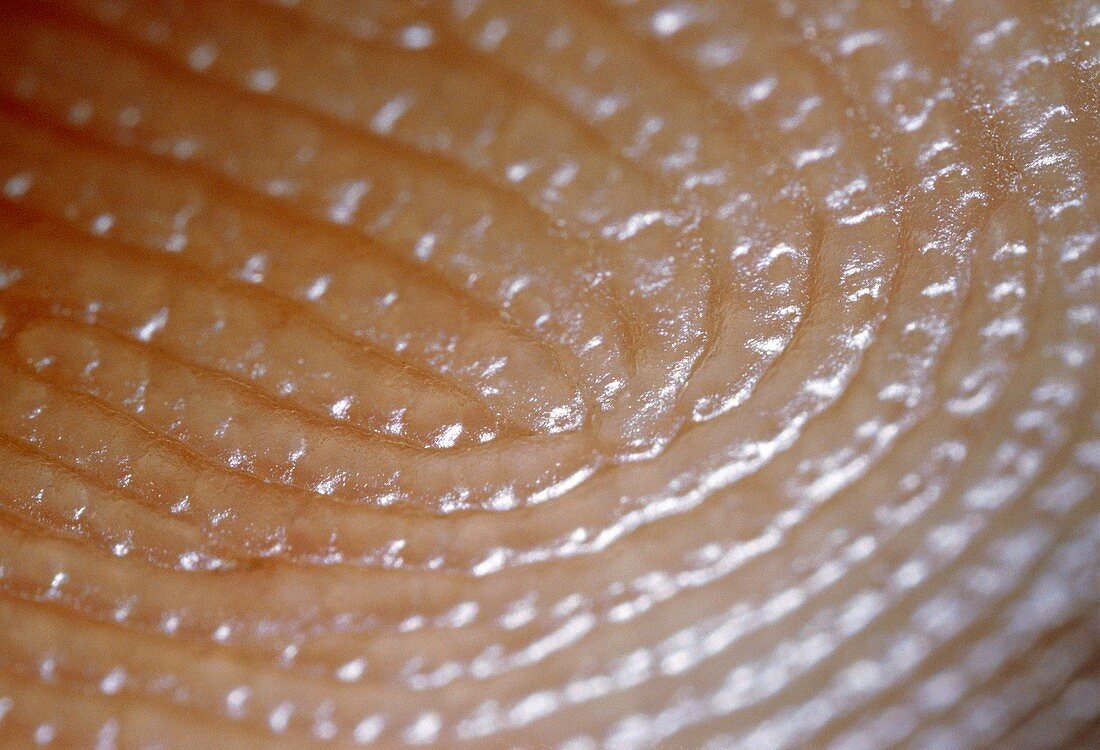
{"x": 579, "y": 374}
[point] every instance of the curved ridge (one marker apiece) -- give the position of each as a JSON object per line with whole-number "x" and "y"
{"x": 585, "y": 375}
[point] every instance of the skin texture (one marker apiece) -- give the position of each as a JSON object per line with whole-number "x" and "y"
{"x": 549, "y": 374}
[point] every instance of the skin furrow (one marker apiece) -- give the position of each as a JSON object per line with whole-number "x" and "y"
{"x": 583, "y": 374}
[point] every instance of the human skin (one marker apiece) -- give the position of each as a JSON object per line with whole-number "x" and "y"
{"x": 549, "y": 374}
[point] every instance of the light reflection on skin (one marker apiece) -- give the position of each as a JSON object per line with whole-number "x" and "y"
{"x": 588, "y": 374}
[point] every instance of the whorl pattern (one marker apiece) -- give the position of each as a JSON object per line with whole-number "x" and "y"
{"x": 556, "y": 374}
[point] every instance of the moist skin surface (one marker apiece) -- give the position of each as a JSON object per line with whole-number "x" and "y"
{"x": 565, "y": 375}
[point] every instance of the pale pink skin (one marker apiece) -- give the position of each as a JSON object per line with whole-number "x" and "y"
{"x": 549, "y": 374}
